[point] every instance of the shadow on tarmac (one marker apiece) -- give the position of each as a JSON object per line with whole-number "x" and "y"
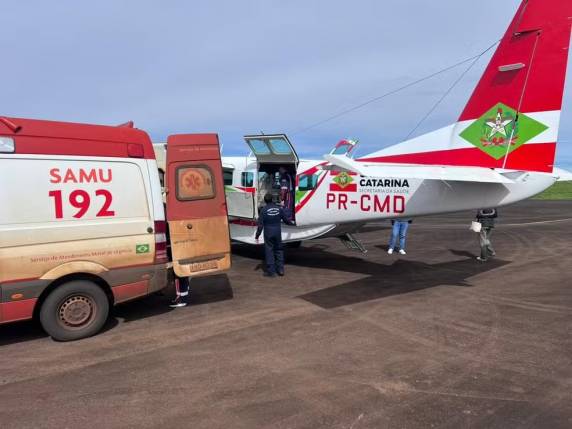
{"x": 380, "y": 280}
{"x": 401, "y": 277}
{"x": 208, "y": 290}
{"x": 20, "y": 331}
{"x": 205, "y": 290}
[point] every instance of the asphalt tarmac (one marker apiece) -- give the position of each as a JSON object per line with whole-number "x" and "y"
{"x": 432, "y": 339}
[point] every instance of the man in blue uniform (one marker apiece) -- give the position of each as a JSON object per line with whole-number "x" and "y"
{"x": 270, "y": 220}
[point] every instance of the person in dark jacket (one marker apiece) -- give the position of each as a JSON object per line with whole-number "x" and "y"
{"x": 270, "y": 220}
{"x": 486, "y": 217}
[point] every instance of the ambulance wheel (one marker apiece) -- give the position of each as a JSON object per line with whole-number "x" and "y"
{"x": 74, "y": 310}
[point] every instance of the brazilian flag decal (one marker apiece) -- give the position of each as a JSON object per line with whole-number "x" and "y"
{"x": 142, "y": 248}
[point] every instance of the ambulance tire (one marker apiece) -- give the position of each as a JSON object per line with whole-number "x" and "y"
{"x": 74, "y": 310}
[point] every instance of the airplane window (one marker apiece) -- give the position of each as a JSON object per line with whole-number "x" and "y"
{"x": 307, "y": 182}
{"x": 280, "y": 146}
{"x": 227, "y": 174}
{"x": 341, "y": 150}
{"x": 247, "y": 179}
{"x": 259, "y": 147}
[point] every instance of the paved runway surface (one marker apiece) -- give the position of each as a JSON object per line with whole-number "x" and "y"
{"x": 433, "y": 339}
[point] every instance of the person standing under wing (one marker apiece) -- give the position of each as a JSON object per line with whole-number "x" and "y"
{"x": 486, "y": 217}
{"x": 399, "y": 230}
{"x": 270, "y": 221}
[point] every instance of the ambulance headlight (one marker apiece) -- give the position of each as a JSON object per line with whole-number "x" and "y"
{"x": 6, "y": 145}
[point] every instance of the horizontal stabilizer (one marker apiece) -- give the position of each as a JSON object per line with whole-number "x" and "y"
{"x": 428, "y": 172}
{"x": 563, "y": 175}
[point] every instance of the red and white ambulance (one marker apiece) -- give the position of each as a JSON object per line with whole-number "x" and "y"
{"x": 83, "y": 224}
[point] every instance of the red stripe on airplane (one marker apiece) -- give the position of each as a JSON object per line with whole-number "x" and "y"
{"x": 334, "y": 187}
{"x": 250, "y": 190}
{"x": 303, "y": 203}
{"x": 313, "y": 169}
{"x": 530, "y": 157}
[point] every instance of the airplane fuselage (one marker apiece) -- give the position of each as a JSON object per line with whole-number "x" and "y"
{"x": 327, "y": 200}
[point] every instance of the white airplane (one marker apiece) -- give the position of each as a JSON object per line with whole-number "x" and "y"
{"x": 500, "y": 151}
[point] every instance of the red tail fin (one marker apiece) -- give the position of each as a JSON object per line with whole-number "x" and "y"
{"x": 511, "y": 120}
{"x": 528, "y": 70}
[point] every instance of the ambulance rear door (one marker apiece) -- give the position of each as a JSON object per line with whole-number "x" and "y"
{"x": 196, "y": 205}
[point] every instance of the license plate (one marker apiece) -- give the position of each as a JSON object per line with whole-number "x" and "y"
{"x": 202, "y": 266}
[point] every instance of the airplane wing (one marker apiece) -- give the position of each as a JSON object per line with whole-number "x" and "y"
{"x": 429, "y": 172}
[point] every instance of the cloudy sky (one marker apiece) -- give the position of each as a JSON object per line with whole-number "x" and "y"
{"x": 243, "y": 66}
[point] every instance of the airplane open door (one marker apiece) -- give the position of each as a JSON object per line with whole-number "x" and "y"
{"x": 272, "y": 149}
{"x": 196, "y": 205}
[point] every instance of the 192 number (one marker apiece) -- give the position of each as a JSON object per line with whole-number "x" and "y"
{"x": 81, "y": 200}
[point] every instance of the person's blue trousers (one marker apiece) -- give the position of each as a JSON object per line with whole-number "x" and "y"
{"x": 399, "y": 231}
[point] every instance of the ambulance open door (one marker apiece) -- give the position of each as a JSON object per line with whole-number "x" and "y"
{"x": 196, "y": 205}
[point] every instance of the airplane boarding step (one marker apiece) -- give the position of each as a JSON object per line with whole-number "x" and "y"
{"x": 352, "y": 243}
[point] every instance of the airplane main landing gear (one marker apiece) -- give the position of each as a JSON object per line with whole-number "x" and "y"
{"x": 352, "y": 243}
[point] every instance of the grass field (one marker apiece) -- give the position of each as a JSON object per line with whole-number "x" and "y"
{"x": 559, "y": 191}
